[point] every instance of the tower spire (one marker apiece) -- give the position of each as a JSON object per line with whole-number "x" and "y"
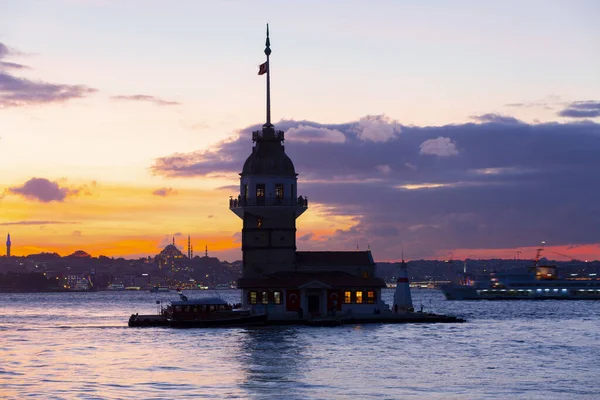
{"x": 268, "y": 53}
{"x": 206, "y": 251}
{"x": 189, "y": 247}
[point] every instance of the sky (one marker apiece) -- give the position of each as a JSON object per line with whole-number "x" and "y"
{"x": 438, "y": 129}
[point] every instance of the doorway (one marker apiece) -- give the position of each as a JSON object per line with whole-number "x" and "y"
{"x": 314, "y": 304}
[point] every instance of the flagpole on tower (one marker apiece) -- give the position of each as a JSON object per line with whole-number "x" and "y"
{"x": 268, "y": 52}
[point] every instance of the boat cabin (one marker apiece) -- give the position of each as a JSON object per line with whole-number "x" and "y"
{"x": 199, "y": 309}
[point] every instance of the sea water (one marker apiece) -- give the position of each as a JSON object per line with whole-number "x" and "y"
{"x": 78, "y": 345}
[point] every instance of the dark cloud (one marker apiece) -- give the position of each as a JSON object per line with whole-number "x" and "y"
{"x": 147, "y": 98}
{"x": 496, "y": 118}
{"x": 38, "y": 223}
{"x": 164, "y": 192}
{"x": 45, "y": 191}
{"x": 511, "y": 184}
{"x": 307, "y": 237}
{"x": 18, "y": 92}
{"x": 582, "y": 109}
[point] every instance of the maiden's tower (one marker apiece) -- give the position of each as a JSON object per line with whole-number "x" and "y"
{"x": 287, "y": 284}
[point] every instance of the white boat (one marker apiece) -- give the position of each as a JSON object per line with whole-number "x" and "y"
{"x": 115, "y": 287}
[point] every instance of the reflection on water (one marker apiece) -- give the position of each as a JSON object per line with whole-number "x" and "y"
{"x": 273, "y": 361}
{"x": 77, "y": 345}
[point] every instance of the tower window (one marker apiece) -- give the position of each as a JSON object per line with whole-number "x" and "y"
{"x": 279, "y": 191}
{"x": 371, "y": 297}
{"x": 347, "y": 297}
{"x": 359, "y": 297}
{"x": 246, "y": 191}
{"x": 260, "y": 194}
{"x": 252, "y": 298}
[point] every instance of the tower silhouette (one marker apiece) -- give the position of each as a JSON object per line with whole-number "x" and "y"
{"x": 267, "y": 203}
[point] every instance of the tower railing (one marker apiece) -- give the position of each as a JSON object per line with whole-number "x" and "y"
{"x": 259, "y": 135}
{"x": 268, "y": 202}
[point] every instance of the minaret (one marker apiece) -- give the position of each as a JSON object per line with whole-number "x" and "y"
{"x": 8, "y": 244}
{"x": 173, "y": 240}
{"x": 189, "y": 248}
{"x": 206, "y": 251}
{"x": 268, "y": 202}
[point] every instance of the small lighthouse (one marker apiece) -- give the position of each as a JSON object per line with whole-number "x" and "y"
{"x": 8, "y": 246}
{"x": 402, "y": 297}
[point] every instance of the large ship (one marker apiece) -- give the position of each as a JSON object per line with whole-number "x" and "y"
{"x": 538, "y": 282}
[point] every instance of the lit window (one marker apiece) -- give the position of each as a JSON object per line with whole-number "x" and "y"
{"x": 347, "y": 297}
{"x": 253, "y": 299}
{"x": 260, "y": 190}
{"x": 359, "y": 295}
{"x": 265, "y": 298}
{"x": 371, "y": 297}
{"x": 259, "y": 222}
{"x": 365, "y": 274}
{"x": 279, "y": 191}
{"x": 277, "y": 298}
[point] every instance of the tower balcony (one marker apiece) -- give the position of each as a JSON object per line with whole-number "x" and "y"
{"x": 271, "y": 206}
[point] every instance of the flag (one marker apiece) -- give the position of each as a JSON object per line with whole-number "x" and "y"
{"x": 263, "y": 68}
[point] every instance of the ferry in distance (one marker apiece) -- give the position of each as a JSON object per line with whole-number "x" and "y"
{"x": 539, "y": 282}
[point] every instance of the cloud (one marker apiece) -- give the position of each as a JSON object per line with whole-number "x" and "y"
{"x": 496, "y": 118}
{"x": 147, "y": 98}
{"x": 304, "y": 133}
{"x": 164, "y": 192}
{"x": 307, "y": 237}
{"x": 547, "y": 103}
{"x": 410, "y": 166}
{"x": 441, "y": 146}
{"x": 581, "y": 109}
{"x": 76, "y": 233}
{"x": 37, "y": 223}
{"x": 513, "y": 184}
{"x": 4, "y": 51}
{"x": 384, "y": 169}
{"x": 45, "y": 191}
{"x": 20, "y": 92}
{"x": 377, "y": 128}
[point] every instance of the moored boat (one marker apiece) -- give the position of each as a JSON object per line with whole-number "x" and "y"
{"x": 159, "y": 288}
{"x": 115, "y": 287}
{"x": 204, "y": 312}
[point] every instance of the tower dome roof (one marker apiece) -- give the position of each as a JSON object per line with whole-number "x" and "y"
{"x": 262, "y": 162}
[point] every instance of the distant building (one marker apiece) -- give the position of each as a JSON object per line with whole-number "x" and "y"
{"x": 170, "y": 256}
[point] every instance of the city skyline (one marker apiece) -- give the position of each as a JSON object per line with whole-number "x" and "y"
{"x": 442, "y": 137}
